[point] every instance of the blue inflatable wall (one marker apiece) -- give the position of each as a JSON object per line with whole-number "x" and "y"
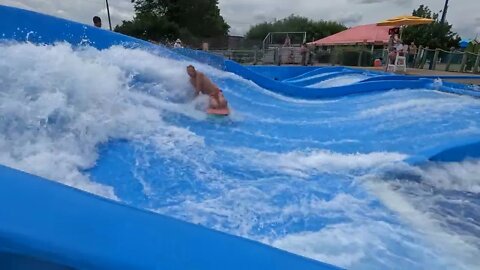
{"x": 46, "y": 225}
{"x": 293, "y": 81}
{"x": 53, "y": 225}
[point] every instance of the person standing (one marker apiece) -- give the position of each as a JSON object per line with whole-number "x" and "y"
{"x": 412, "y": 54}
{"x": 303, "y": 53}
{"x": 399, "y": 47}
{"x": 178, "y": 44}
{"x": 391, "y": 43}
{"x": 287, "y": 42}
{"x": 97, "y": 22}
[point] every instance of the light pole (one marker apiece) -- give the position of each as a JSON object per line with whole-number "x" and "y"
{"x": 444, "y": 14}
{"x": 108, "y": 12}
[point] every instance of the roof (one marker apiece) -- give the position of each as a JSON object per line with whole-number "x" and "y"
{"x": 369, "y": 34}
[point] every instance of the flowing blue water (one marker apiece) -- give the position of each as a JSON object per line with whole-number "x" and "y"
{"x": 340, "y": 81}
{"x": 324, "y": 179}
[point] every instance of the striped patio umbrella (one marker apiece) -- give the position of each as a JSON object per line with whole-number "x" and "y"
{"x": 404, "y": 21}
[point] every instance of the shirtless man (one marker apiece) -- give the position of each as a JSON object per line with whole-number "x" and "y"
{"x": 204, "y": 85}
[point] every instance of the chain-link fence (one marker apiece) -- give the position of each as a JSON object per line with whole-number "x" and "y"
{"x": 351, "y": 56}
{"x": 242, "y": 56}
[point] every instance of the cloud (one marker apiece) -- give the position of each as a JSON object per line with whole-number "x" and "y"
{"x": 398, "y": 2}
{"x": 370, "y": 1}
{"x": 81, "y": 11}
{"x": 351, "y": 19}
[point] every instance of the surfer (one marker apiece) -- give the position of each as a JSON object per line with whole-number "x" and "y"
{"x": 202, "y": 84}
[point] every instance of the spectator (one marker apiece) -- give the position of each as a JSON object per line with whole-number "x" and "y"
{"x": 97, "y": 22}
{"x": 303, "y": 52}
{"x": 311, "y": 55}
{"x": 413, "y": 49}
{"x": 392, "y": 56}
{"x": 399, "y": 47}
{"x": 412, "y": 54}
{"x": 178, "y": 44}
{"x": 405, "y": 49}
{"x": 288, "y": 42}
{"x": 291, "y": 57}
{"x": 391, "y": 42}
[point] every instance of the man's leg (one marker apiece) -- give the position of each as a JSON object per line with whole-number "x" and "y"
{"x": 222, "y": 102}
{"x": 213, "y": 103}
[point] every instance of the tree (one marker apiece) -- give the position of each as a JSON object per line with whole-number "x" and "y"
{"x": 166, "y": 19}
{"x": 294, "y": 23}
{"x": 150, "y": 27}
{"x": 473, "y": 47}
{"x": 433, "y": 35}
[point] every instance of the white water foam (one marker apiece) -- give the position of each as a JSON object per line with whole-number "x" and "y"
{"x": 417, "y": 106}
{"x": 340, "y": 81}
{"x": 441, "y": 202}
{"x": 308, "y": 162}
{"x": 311, "y": 77}
{"x": 58, "y": 105}
{"x": 350, "y": 244}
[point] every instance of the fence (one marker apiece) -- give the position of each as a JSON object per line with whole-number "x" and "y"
{"x": 293, "y": 56}
{"x": 242, "y": 56}
{"x": 357, "y": 56}
{"x": 447, "y": 61}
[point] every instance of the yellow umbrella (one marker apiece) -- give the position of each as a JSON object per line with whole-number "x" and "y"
{"x": 404, "y": 20}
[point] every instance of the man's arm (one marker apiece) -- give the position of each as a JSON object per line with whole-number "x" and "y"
{"x": 198, "y": 83}
{"x": 194, "y": 85}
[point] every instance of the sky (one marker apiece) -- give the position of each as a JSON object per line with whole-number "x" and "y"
{"x": 241, "y": 14}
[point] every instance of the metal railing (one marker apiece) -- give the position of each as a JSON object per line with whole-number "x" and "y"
{"x": 440, "y": 60}
{"x": 269, "y": 40}
{"x": 240, "y": 56}
{"x": 293, "y": 56}
{"x": 254, "y": 57}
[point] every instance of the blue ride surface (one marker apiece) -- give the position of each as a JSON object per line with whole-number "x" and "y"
{"x": 60, "y": 227}
{"x": 329, "y": 173}
{"x": 45, "y": 225}
{"x": 326, "y": 82}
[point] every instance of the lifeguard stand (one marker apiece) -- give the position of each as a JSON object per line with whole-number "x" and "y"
{"x": 400, "y": 64}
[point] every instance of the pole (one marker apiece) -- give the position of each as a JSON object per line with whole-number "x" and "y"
{"x": 108, "y": 12}
{"x": 444, "y": 13}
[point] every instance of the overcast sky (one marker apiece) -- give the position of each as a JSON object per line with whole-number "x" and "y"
{"x": 240, "y": 14}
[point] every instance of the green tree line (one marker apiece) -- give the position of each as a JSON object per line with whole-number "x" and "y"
{"x": 434, "y": 35}
{"x": 195, "y": 20}
{"x": 294, "y": 23}
{"x": 161, "y": 20}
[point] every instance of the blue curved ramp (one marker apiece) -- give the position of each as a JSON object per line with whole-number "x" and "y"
{"x": 299, "y": 82}
{"x": 69, "y": 228}
{"x": 301, "y": 92}
{"x": 312, "y": 93}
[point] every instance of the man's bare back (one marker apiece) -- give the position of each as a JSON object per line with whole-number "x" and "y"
{"x": 202, "y": 84}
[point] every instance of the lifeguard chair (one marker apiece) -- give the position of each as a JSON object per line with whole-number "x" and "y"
{"x": 400, "y": 64}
